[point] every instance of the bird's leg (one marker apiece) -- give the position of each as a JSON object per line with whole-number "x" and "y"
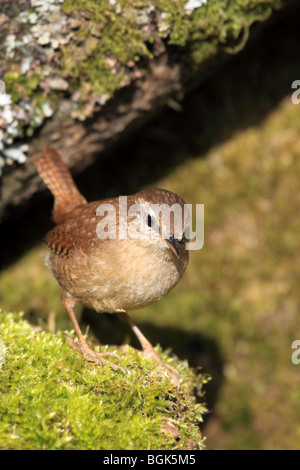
{"x": 88, "y": 353}
{"x": 148, "y": 349}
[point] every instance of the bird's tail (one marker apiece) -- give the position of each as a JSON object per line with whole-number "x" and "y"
{"x": 59, "y": 180}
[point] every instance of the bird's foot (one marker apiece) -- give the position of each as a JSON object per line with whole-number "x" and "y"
{"x": 171, "y": 371}
{"x": 93, "y": 356}
{"x": 149, "y": 351}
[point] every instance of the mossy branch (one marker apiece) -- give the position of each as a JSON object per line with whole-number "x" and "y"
{"x": 51, "y": 398}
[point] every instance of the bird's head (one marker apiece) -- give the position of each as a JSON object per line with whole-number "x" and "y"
{"x": 160, "y": 219}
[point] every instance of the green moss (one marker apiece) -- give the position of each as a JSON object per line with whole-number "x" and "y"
{"x": 20, "y": 86}
{"x": 50, "y": 398}
{"x": 26, "y": 89}
{"x": 118, "y": 33}
{"x": 218, "y": 26}
{"x": 214, "y": 25}
{"x": 119, "y": 38}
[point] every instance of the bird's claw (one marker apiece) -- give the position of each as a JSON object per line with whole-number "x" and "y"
{"x": 93, "y": 356}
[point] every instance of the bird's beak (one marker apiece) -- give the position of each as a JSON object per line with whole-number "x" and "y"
{"x": 173, "y": 243}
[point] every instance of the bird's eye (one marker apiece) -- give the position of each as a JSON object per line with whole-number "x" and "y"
{"x": 149, "y": 220}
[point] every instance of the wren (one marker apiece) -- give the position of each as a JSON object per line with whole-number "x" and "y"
{"x": 111, "y": 274}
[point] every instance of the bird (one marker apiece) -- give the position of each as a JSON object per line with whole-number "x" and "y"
{"x": 98, "y": 263}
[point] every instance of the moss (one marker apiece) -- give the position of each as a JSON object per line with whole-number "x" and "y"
{"x": 50, "y": 398}
{"x": 218, "y": 23}
{"x": 21, "y": 86}
{"x": 118, "y": 33}
{"x": 112, "y": 35}
{"x": 25, "y": 89}
{"x": 217, "y": 26}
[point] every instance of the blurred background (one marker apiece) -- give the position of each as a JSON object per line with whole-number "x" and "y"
{"x": 233, "y": 146}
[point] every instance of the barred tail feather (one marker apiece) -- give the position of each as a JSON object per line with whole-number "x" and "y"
{"x": 59, "y": 180}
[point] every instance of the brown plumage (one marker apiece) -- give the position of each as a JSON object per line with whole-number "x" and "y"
{"x": 60, "y": 182}
{"x": 110, "y": 274}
